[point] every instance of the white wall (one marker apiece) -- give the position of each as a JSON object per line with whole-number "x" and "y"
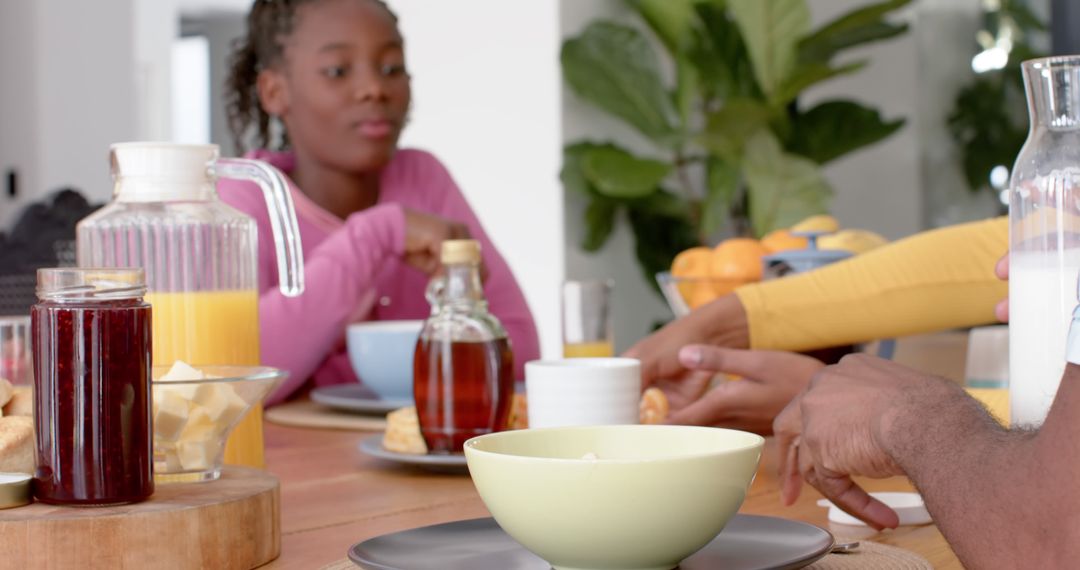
{"x": 878, "y": 188}
{"x": 18, "y": 105}
{"x": 74, "y": 76}
{"x": 486, "y": 102}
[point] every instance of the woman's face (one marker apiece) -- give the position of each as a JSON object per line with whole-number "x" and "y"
{"x": 342, "y": 89}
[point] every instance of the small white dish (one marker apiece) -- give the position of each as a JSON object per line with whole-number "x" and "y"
{"x": 908, "y": 506}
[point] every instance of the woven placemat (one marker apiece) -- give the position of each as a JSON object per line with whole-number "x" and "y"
{"x": 869, "y": 556}
{"x": 308, "y": 414}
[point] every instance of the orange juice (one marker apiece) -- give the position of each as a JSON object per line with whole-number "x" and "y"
{"x": 595, "y": 349}
{"x": 213, "y": 328}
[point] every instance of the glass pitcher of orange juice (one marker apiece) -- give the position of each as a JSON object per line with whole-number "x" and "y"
{"x": 200, "y": 257}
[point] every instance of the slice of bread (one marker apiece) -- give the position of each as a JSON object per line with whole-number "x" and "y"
{"x": 403, "y": 432}
{"x": 16, "y": 444}
{"x": 21, "y": 402}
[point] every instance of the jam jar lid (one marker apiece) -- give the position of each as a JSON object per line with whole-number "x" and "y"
{"x": 14, "y": 490}
{"x": 90, "y": 283}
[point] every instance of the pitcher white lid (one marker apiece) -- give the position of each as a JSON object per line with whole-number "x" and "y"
{"x": 152, "y": 171}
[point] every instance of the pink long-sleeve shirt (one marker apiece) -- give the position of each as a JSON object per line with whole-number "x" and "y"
{"x": 353, "y": 271}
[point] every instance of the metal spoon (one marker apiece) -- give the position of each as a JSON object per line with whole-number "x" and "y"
{"x": 844, "y": 547}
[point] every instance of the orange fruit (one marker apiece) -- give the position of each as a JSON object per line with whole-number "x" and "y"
{"x": 736, "y": 260}
{"x": 699, "y": 294}
{"x": 782, "y": 240}
{"x": 654, "y": 406}
{"x": 691, "y": 269}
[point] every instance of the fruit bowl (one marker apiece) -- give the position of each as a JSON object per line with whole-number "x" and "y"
{"x": 684, "y": 294}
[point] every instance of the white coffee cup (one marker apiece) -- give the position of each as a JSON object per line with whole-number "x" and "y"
{"x": 583, "y": 391}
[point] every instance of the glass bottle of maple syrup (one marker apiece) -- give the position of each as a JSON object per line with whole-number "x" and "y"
{"x": 463, "y": 367}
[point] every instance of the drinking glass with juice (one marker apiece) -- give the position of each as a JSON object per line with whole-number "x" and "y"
{"x": 586, "y": 319}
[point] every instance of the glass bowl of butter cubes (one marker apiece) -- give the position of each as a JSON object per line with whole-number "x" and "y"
{"x": 195, "y": 409}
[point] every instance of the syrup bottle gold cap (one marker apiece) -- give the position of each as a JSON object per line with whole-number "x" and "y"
{"x": 460, "y": 251}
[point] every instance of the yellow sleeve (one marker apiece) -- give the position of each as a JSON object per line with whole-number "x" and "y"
{"x": 931, "y": 281}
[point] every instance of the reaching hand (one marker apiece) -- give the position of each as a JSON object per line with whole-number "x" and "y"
{"x": 840, "y": 427}
{"x": 424, "y": 234}
{"x": 719, "y": 323}
{"x": 769, "y": 380}
{"x": 1001, "y": 311}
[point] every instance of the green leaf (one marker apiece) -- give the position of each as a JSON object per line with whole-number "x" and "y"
{"x": 807, "y": 74}
{"x": 687, "y": 89}
{"x": 662, "y": 203}
{"x": 771, "y": 30}
{"x": 599, "y": 223}
{"x": 860, "y": 26}
{"x": 723, "y": 184}
{"x": 572, "y": 175}
{"x": 784, "y": 188}
{"x": 985, "y": 125}
{"x": 727, "y": 129}
{"x": 615, "y": 173}
{"x": 671, "y": 20}
{"x": 835, "y": 128}
{"x": 615, "y": 68}
{"x": 720, "y": 56}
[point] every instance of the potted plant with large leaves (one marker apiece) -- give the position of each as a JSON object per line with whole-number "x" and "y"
{"x": 736, "y": 152}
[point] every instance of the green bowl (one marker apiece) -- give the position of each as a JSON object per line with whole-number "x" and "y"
{"x": 653, "y": 496}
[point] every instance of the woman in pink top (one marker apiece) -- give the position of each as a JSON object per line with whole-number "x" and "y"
{"x": 372, "y": 217}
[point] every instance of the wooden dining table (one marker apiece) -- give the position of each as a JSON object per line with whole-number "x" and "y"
{"x": 333, "y": 496}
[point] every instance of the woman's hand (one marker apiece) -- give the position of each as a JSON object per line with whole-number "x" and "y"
{"x": 721, "y": 323}
{"x": 1001, "y": 311}
{"x": 424, "y": 234}
{"x": 768, "y": 381}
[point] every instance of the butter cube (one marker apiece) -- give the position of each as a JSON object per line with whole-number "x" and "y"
{"x": 199, "y": 426}
{"x": 172, "y": 461}
{"x": 222, "y": 403}
{"x": 196, "y": 455}
{"x": 181, "y": 371}
{"x": 171, "y": 416}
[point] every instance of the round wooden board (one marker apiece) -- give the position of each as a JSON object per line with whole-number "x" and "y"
{"x": 233, "y": 522}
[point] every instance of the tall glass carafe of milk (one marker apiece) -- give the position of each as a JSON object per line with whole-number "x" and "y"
{"x": 1044, "y": 216}
{"x": 200, "y": 257}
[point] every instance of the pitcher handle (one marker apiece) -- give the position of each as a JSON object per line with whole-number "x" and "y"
{"x": 279, "y": 204}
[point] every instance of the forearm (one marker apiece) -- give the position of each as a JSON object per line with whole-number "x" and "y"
{"x": 931, "y": 281}
{"x": 297, "y": 333}
{"x": 1002, "y": 498}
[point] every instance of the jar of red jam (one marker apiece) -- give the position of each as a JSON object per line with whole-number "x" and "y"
{"x": 91, "y": 337}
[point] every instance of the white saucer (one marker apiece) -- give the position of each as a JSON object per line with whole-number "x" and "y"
{"x": 908, "y": 506}
{"x": 355, "y": 398}
{"x": 440, "y": 463}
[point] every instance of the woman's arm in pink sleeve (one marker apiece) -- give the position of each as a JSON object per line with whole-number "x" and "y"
{"x": 505, "y": 298}
{"x": 297, "y": 333}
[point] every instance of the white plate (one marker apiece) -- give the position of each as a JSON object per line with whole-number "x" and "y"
{"x": 355, "y": 398}
{"x": 441, "y": 463}
{"x": 748, "y": 542}
{"x": 909, "y": 508}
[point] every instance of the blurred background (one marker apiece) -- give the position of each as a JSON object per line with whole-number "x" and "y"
{"x": 491, "y": 100}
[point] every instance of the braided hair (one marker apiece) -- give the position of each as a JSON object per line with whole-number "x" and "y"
{"x": 268, "y": 23}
